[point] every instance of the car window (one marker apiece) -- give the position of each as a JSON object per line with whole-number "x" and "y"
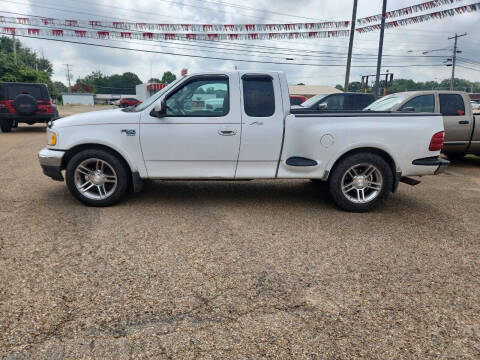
{"x": 387, "y": 103}
{"x": 334, "y": 102}
{"x": 358, "y": 102}
{"x": 422, "y": 103}
{"x": 295, "y": 101}
{"x": 258, "y": 96}
{"x": 204, "y": 97}
{"x": 451, "y": 105}
{"x": 16, "y": 89}
{"x": 313, "y": 100}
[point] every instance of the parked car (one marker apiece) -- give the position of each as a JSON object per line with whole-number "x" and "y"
{"x": 126, "y": 102}
{"x": 462, "y": 131}
{"x": 363, "y": 156}
{"x": 297, "y": 99}
{"x": 24, "y": 103}
{"x": 336, "y": 101}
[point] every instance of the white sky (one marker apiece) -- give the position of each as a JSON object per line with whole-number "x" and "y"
{"x": 398, "y": 42}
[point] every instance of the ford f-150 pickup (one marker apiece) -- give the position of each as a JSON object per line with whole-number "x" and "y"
{"x": 249, "y": 134}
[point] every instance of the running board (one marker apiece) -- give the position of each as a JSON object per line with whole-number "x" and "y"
{"x": 409, "y": 181}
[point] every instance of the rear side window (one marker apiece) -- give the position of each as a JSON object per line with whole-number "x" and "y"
{"x": 359, "y": 102}
{"x": 13, "y": 90}
{"x": 258, "y": 96}
{"x": 451, "y": 105}
{"x": 422, "y": 103}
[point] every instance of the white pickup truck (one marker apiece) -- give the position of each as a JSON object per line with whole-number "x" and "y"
{"x": 251, "y": 135}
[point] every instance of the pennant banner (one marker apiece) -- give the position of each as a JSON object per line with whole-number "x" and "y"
{"x": 406, "y": 11}
{"x": 219, "y": 28}
{"x": 127, "y": 35}
{"x": 131, "y": 26}
{"x": 422, "y": 18}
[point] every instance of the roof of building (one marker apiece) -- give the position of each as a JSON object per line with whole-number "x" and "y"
{"x": 311, "y": 89}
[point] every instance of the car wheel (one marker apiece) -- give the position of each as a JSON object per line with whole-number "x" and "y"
{"x": 6, "y": 125}
{"x": 97, "y": 177}
{"x": 360, "y": 182}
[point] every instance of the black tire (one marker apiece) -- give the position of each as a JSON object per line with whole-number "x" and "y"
{"x": 6, "y": 125}
{"x": 25, "y": 104}
{"x": 339, "y": 173}
{"x": 118, "y": 165}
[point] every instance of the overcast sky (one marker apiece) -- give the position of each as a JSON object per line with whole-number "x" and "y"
{"x": 409, "y": 40}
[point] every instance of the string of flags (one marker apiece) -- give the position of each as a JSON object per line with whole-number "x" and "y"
{"x": 73, "y": 29}
{"x": 220, "y": 28}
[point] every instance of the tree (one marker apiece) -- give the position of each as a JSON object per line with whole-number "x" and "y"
{"x": 113, "y": 84}
{"x": 339, "y": 87}
{"x": 168, "y": 77}
{"x": 154, "y": 80}
{"x": 82, "y": 87}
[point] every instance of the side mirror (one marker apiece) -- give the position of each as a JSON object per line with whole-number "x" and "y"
{"x": 159, "y": 109}
{"x": 322, "y": 106}
{"x": 408, "y": 109}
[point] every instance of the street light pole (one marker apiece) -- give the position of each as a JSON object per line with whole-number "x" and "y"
{"x": 380, "y": 48}
{"x": 350, "y": 45}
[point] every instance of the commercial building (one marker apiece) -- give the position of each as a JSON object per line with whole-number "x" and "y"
{"x": 77, "y": 99}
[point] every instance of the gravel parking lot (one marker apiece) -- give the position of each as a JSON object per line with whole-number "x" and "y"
{"x": 235, "y": 270}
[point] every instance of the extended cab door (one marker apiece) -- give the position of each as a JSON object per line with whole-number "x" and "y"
{"x": 262, "y": 126}
{"x": 199, "y": 136}
{"x": 457, "y": 121}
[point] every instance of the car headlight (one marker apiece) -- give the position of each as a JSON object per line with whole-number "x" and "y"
{"x": 52, "y": 138}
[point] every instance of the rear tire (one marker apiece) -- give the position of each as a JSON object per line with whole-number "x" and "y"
{"x": 360, "y": 182}
{"x": 6, "y": 125}
{"x": 97, "y": 177}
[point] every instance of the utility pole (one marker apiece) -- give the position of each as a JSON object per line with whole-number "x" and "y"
{"x": 380, "y": 48}
{"x": 454, "y": 58}
{"x": 14, "y": 49}
{"x": 350, "y": 45}
{"x": 68, "y": 66}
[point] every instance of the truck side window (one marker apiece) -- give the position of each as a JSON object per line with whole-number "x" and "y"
{"x": 451, "y": 105}
{"x": 258, "y": 95}
{"x": 422, "y": 103}
{"x": 335, "y": 102}
{"x": 205, "y": 97}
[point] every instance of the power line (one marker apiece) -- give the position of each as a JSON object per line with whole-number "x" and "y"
{"x": 218, "y": 58}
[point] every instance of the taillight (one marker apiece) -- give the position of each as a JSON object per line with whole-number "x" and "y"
{"x": 437, "y": 141}
{"x": 44, "y": 102}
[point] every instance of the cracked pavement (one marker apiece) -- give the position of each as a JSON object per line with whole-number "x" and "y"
{"x": 259, "y": 269}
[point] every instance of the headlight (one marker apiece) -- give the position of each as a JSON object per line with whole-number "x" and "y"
{"x": 52, "y": 138}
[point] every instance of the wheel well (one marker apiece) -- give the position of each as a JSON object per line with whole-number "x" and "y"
{"x": 377, "y": 151}
{"x": 75, "y": 150}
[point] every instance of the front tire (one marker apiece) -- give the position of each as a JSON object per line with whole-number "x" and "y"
{"x": 6, "y": 125}
{"x": 360, "y": 182}
{"x": 97, "y": 177}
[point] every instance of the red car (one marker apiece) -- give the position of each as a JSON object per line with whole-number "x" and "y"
{"x": 297, "y": 99}
{"x": 126, "y": 102}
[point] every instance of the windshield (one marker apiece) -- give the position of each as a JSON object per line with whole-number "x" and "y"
{"x": 154, "y": 97}
{"x": 387, "y": 103}
{"x": 310, "y": 102}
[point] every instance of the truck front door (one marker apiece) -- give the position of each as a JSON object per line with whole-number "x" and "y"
{"x": 199, "y": 136}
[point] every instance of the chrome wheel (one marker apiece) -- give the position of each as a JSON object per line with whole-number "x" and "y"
{"x": 95, "y": 179}
{"x": 362, "y": 183}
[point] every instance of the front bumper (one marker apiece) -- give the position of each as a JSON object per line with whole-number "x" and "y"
{"x": 51, "y": 163}
{"x": 433, "y": 161}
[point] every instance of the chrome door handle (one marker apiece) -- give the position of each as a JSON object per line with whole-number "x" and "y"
{"x": 226, "y": 132}
{"x": 257, "y": 123}
{"x": 463, "y": 122}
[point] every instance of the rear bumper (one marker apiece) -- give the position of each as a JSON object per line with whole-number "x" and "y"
{"x": 51, "y": 163}
{"x": 36, "y": 118}
{"x": 441, "y": 164}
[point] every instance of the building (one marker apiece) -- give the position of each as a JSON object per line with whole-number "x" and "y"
{"x": 311, "y": 90}
{"x": 109, "y": 98}
{"x": 144, "y": 91}
{"x": 77, "y": 99}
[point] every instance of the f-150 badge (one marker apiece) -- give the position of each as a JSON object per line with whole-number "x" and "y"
{"x": 128, "y": 132}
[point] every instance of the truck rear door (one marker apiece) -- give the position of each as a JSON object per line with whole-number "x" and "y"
{"x": 262, "y": 125}
{"x": 458, "y": 122}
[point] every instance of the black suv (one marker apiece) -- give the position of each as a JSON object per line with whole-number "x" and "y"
{"x": 24, "y": 102}
{"x": 335, "y": 102}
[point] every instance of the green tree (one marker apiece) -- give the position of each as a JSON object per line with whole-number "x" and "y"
{"x": 154, "y": 80}
{"x": 168, "y": 77}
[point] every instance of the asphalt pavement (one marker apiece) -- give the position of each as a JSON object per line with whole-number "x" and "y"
{"x": 258, "y": 269}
